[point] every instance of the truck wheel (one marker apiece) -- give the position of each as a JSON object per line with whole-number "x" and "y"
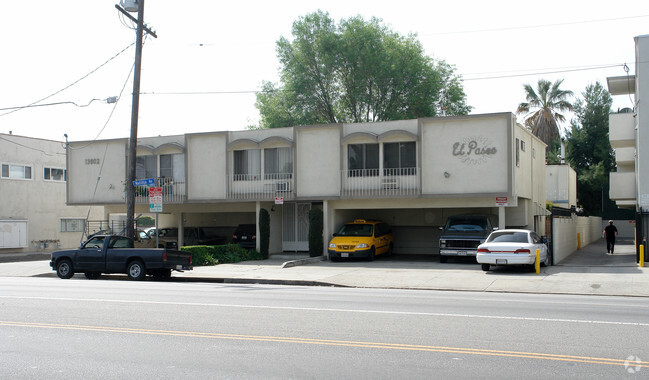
{"x": 486, "y": 267}
{"x": 162, "y": 274}
{"x": 443, "y": 259}
{"x": 135, "y": 270}
{"x": 92, "y": 275}
{"x": 64, "y": 269}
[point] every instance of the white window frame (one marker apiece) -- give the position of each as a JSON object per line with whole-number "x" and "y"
{"x": 9, "y": 171}
{"x": 49, "y": 174}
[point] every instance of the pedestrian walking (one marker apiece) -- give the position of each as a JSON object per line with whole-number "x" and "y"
{"x": 609, "y": 233}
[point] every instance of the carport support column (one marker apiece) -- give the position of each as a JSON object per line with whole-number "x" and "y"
{"x": 501, "y": 217}
{"x": 181, "y": 232}
{"x": 325, "y": 228}
{"x": 257, "y": 208}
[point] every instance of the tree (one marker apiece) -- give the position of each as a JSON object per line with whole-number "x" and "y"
{"x": 542, "y": 109}
{"x": 356, "y": 71}
{"x": 588, "y": 149}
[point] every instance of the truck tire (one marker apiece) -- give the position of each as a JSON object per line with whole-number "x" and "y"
{"x": 135, "y": 270}
{"x": 64, "y": 269}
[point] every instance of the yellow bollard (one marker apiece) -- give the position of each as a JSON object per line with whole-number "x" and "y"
{"x": 641, "y": 255}
{"x": 538, "y": 261}
{"x": 578, "y": 241}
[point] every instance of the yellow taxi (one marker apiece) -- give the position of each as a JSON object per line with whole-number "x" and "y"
{"x": 361, "y": 238}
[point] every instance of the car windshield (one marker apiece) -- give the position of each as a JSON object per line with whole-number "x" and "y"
{"x": 355, "y": 230}
{"x": 508, "y": 237}
{"x": 466, "y": 224}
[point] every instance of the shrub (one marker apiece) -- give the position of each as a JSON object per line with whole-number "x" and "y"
{"x": 264, "y": 232}
{"x": 315, "y": 232}
{"x": 205, "y": 255}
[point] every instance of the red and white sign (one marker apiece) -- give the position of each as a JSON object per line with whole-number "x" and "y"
{"x": 279, "y": 200}
{"x": 155, "y": 199}
{"x": 502, "y": 201}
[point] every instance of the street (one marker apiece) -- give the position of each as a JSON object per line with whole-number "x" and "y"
{"x": 114, "y": 329}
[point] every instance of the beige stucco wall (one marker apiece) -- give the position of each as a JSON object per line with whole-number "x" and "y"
{"x": 207, "y": 155}
{"x": 561, "y": 185}
{"x": 318, "y": 162}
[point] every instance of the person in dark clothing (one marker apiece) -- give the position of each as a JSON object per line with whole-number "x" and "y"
{"x": 609, "y": 233}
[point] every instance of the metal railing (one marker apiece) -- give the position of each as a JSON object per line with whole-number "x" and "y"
{"x": 262, "y": 187}
{"x": 364, "y": 183}
{"x": 173, "y": 191}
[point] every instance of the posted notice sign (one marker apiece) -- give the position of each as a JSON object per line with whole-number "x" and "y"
{"x": 279, "y": 200}
{"x": 502, "y": 201}
{"x": 155, "y": 199}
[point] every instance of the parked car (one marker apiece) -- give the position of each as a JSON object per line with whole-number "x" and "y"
{"x": 168, "y": 237}
{"x": 361, "y": 238}
{"x": 512, "y": 247}
{"x": 245, "y": 235}
{"x": 462, "y": 234}
{"x": 116, "y": 254}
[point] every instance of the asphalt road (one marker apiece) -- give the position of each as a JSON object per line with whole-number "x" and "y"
{"x": 51, "y": 328}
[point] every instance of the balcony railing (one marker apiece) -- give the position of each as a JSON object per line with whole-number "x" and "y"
{"x": 365, "y": 183}
{"x": 263, "y": 187}
{"x": 173, "y": 191}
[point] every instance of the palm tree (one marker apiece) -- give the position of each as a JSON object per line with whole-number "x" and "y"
{"x": 548, "y": 100}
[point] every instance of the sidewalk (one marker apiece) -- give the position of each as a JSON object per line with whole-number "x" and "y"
{"x": 587, "y": 271}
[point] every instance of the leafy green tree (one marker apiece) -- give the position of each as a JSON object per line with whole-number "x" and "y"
{"x": 588, "y": 149}
{"x": 542, "y": 109}
{"x": 356, "y": 71}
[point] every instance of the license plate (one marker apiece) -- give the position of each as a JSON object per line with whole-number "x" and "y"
{"x": 501, "y": 261}
{"x": 344, "y": 254}
{"x": 462, "y": 253}
{"x": 179, "y": 267}
{"x": 244, "y": 238}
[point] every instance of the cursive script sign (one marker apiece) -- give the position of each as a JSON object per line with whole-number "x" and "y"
{"x": 474, "y": 150}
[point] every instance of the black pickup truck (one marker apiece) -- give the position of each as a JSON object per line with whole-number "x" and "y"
{"x": 115, "y": 254}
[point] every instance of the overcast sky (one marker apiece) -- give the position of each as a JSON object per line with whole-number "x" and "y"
{"x": 201, "y": 72}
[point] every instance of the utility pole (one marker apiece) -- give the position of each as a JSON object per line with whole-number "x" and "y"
{"x": 132, "y": 143}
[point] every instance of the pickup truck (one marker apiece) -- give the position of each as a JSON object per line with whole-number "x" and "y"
{"x": 462, "y": 234}
{"x": 115, "y": 254}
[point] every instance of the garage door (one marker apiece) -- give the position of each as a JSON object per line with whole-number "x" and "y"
{"x": 13, "y": 233}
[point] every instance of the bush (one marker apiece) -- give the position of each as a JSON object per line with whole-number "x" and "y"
{"x": 264, "y": 232}
{"x": 315, "y": 232}
{"x": 206, "y": 255}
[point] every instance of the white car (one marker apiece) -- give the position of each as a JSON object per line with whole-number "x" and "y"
{"x": 512, "y": 247}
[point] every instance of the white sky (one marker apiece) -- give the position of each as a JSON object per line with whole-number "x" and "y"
{"x": 226, "y": 49}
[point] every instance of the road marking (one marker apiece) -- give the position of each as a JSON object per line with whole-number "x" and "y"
{"x": 327, "y": 342}
{"x": 452, "y": 315}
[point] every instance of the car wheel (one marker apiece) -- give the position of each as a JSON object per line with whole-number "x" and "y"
{"x": 372, "y": 255}
{"x": 92, "y": 275}
{"x": 443, "y": 259}
{"x": 390, "y": 250}
{"x": 135, "y": 270}
{"x": 162, "y": 274}
{"x": 64, "y": 269}
{"x": 486, "y": 267}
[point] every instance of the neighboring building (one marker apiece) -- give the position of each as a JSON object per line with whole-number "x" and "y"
{"x": 33, "y": 212}
{"x": 629, "y": 136}
{"x": 561, "y": 185}
{"x": 411, "y": 174}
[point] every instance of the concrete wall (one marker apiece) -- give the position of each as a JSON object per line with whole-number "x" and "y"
{"x": 207, "y": 155}
{"x": 565, "y": 233}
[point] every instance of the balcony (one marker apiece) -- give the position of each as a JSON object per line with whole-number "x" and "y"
{"x": 261, "y": 187}
{"x": 622, "y": 130}
{"x": 173, "y": 191}
{"x": 623, "y": 186}
{"x": 386, "y": 183}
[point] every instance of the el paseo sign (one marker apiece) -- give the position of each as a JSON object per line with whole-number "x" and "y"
{"x": 474, "y": 150}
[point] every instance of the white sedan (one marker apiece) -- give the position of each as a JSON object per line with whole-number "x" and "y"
{"x": 512, "y": 247}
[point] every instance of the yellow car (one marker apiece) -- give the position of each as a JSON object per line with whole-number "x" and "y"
{"x": 361, "y": 238}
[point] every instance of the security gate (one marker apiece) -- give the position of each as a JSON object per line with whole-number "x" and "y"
{"x": 295, "y": 226}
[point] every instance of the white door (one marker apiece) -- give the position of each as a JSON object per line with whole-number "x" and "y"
{"x": 13, "y": 233}
{"x": 295, "y": 226}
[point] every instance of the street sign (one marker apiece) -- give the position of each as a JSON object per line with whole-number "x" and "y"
{"x": 279, "y": 200}
{"x": 155, "y": 199}
{"x": 501, "y": 201}
{"x": 144, "y": 182}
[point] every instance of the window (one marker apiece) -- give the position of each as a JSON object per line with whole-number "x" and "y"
{"x": 52, "y": 174}
{"x": 400, "y": 158}
{"x": 73, "y": 225}
{"x": 146, "y": 167}
{"x": 16, "y": 171}
{"x": 278, "y": 163}
{"x": 518, "y": 154}
{"x": 247, "y": 165}
{"x": 173, "y": 166}
{"x": 523, "y": 145}
{"x": 363, "y": 160}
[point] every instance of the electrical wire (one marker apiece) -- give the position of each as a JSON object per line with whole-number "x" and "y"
{"x": 72, "y": 84}
{"x": 29, "y": 147}
{"x": 52, "y": 104}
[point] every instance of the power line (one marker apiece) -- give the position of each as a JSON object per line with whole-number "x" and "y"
{"x": 70, "y": 85}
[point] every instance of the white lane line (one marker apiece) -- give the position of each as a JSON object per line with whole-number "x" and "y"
{"x": 453, "y": 315}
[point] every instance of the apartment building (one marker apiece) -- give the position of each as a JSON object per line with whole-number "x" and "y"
{"x": 33, "y": 210}
{"x": 411, "y": 174}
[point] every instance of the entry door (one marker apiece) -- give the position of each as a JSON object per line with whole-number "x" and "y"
{"x": 295, "y": 226}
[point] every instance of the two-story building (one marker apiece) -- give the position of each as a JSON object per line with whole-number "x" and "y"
{"x": 411, "y": 174}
